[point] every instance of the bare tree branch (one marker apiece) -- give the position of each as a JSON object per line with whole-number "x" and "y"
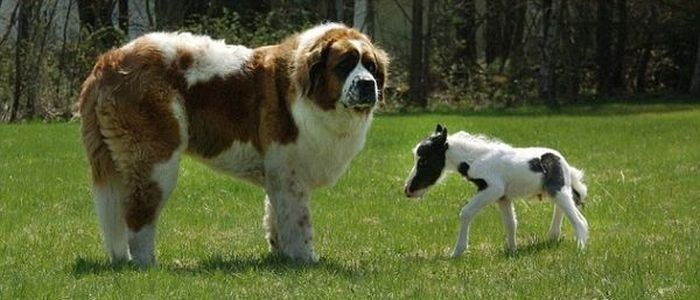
{"x": 13, "y": 20}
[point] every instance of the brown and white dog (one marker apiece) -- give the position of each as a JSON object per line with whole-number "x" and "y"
{"x": 286, "y": 117}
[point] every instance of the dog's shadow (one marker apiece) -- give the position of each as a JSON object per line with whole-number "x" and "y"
{"x": 229, "y": 265}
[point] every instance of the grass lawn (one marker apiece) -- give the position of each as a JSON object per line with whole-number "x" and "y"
{"x": 643, "y": 173}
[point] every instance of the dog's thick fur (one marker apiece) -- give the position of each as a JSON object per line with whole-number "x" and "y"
{"x": 286, "y": 117}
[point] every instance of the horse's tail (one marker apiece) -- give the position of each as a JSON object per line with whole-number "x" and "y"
{"x": 579, "y": 188}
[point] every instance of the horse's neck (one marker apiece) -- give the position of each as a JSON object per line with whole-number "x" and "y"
{"x": 460, "y": 151}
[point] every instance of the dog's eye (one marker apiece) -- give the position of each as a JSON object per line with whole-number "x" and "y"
{"x": 371, "y": 67}
{"x": 347, "y": 64}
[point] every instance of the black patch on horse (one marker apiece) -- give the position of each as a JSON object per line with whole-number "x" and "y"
{"x": 535, "y": 165}
{"x": 553, "y": 173}
{"x": 431, "y": 162}
{"x": 463, "y": 169}
{"x": 577, "y": 198}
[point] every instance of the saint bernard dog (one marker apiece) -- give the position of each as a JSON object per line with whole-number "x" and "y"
{"x": 286, "y": 117}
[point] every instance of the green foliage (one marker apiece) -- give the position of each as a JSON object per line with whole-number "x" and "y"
{"x": 254, "y": 31}
{"x": 641, "y": 166}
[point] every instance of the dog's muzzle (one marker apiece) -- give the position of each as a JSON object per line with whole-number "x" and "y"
{"x": 362, "y": 93}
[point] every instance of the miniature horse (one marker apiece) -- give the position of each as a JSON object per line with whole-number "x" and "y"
{"x": 501, "y": 174}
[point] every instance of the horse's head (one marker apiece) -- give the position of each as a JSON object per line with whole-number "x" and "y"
{"x": 429, "y": 163}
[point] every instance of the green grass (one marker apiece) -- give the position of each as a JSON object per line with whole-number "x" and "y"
{"x": 643, "y": 172}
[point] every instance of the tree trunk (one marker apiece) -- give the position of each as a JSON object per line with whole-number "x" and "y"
{"x": 363, "y": 18}
{"x": 339, "y": 10}
{"x": 62, "y": 55}
{"x": 96, "y": 17}
{"x": 603, "y": 47}
{"x": 427, "y": 46}
{"x": 417, "y": 89}
{"x": 618, "y": 74}
{"x": 695, "y": 81}
{"x": 11, "y": 23}
{"x": 494, "y": 30}
{"x": 516, "y": 51}
{"x": 550, "y": 52}
{"x": 170, "y": 14}
{"x": 124, "y": 16}
{"x": 465, "y": 31}
{"x": 25, "y": 25}
{"x": 642, "y": 65}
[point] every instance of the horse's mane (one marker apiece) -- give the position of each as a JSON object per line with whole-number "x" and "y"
{"x": 478, "y": 140}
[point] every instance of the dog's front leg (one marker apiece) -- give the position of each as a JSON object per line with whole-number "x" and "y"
{"x": 289, "y": 199}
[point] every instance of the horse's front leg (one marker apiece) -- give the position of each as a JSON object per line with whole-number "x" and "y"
{"x": 289, "y": 199}
{"x": 490, "y": 194}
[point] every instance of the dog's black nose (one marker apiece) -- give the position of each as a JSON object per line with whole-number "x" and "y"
{"x": 367, "y": 89}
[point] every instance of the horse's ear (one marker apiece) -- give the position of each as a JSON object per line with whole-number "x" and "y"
{"x": 438, "y": 129}
{"x": 440, "y": 136}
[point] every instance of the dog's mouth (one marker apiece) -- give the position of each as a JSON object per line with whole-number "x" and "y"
{"x": 361, "y": 95}
{"x": 359, "y": 108}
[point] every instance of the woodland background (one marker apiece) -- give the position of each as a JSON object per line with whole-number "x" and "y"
{"x": 469, "y": 54}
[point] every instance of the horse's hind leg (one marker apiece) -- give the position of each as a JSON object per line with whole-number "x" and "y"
{"x": 556, "y": 187}
{"x": 555, "y": 227}
{"x": 509, "y": 222}
{"x": 565, "y": 201}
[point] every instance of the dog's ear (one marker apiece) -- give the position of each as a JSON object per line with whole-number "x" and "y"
{"x": 382, "y": 71}
{"x": 310, "y": 69}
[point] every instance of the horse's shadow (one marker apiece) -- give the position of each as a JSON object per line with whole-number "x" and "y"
{"x": 538, "y": 245}
{"x": 229, "y": 265}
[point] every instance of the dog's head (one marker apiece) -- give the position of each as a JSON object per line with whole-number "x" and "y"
{"x": 339, "y": 68}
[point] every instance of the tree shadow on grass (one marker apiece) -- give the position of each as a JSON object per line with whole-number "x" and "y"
{"x": 590, "y": 108}
{"x": 234, "y": 265}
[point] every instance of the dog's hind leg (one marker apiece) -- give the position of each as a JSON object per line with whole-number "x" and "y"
{"x": 108, "y": 206}
{"x": 145, "y": 148}
{"x": 491, "y": 193}
{"x": 510, "y": 223}
{"x": 147, "y": 198}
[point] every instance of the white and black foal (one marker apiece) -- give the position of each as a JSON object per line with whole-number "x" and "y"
{"x": 501, "y": 174}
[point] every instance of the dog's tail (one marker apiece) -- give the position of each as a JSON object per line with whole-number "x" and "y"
{"x": 579, "y": 188}
{"x": 98, "y": 153}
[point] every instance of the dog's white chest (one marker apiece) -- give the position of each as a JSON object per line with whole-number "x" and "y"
{"x": 327, "y": 143}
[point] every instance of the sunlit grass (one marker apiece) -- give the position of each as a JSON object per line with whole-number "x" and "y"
{"x": 643, "y": 172}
